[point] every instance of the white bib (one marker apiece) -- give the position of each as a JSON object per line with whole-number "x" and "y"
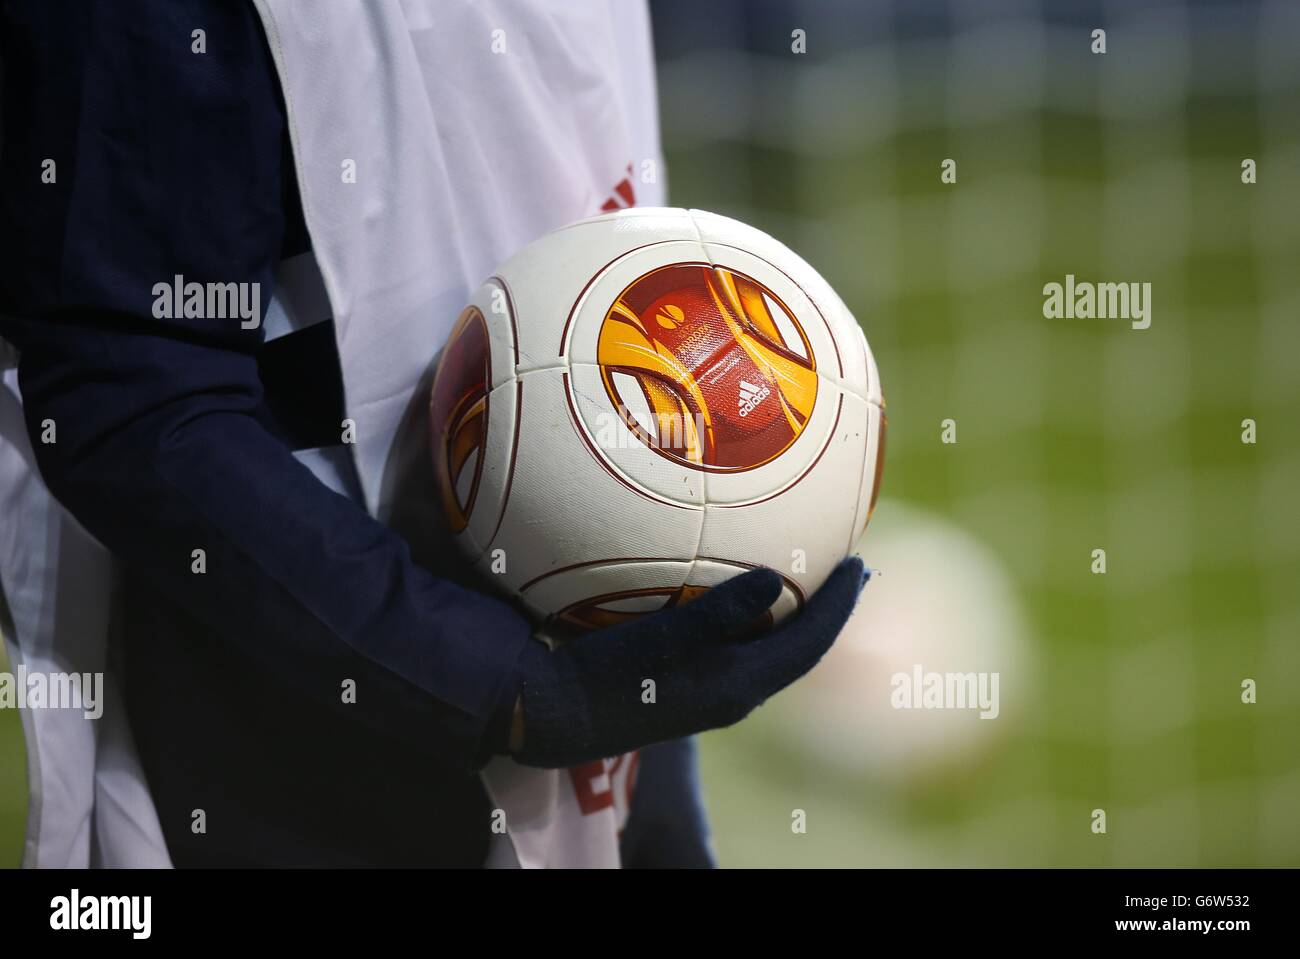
{"x": 433, "y": 139}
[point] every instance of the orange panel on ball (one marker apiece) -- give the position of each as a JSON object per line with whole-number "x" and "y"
{"x": 458, "y": 417}
{"x": 726, "y": 375}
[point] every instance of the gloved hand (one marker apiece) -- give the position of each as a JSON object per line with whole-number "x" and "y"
{"x": 583, "y": 701}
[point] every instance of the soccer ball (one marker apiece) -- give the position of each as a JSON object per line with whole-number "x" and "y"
{"x": 641, "y": 405}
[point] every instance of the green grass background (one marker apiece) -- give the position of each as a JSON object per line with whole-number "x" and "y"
{"x": 13, "y": 782}
{"x": 1072, "y": 433}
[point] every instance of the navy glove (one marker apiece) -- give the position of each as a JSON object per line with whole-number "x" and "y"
{"x": 583, "y": 701}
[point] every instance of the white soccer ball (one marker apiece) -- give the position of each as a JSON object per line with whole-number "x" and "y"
{"x": 641, "y": 405}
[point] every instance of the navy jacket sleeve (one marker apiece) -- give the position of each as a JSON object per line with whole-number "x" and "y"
{"x": 130, "y": 158}
{"x": 667, "y": 827}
